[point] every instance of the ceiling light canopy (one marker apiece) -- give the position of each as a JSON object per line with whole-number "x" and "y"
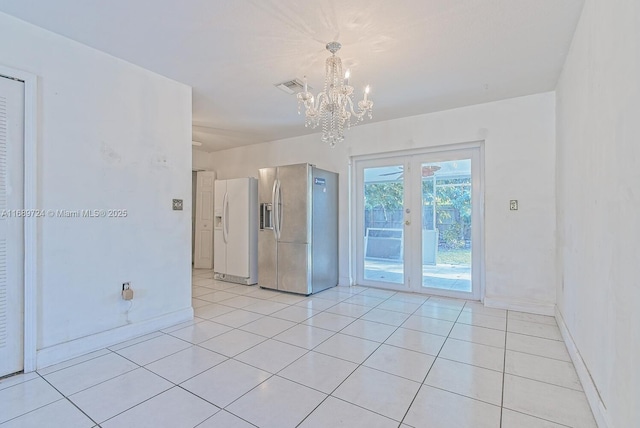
{"x": 333, "y": 107}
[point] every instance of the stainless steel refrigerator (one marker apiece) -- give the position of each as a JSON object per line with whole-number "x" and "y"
{"x": 298, "y": 233}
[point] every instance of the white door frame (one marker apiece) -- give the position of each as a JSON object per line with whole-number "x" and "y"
{"x": 30, "y": 203}
{"x": 478, "y": 188}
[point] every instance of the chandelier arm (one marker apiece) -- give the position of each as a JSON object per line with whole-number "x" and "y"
{"x": 360, "y": 113}
{"x": 356, "y": 114}
{"x": 322, "y": 96}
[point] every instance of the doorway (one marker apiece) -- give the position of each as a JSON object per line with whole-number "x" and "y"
{"x": 12, "y": 216}
{"x": 419, "y": 222}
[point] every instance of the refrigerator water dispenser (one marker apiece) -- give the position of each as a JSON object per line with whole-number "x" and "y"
{"x": 266, "y": 216}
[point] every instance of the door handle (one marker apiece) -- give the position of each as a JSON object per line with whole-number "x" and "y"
{"x": 278, "y": 207}
{"x": 274, "y": 209}
{"x": 226, "y": 218}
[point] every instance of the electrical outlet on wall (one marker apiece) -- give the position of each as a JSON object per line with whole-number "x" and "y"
{"x": 127, "y": 292}
{"x": 513, "y": 205}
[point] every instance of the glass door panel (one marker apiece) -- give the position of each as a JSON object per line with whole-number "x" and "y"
{"x": 383, "y": 192}
{"x": 446, "y": 225}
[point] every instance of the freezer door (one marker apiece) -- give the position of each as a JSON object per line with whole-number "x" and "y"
{"x": 267, "y": 245}
{"x": 266, "y": 179}
{"x": 293, "y": 204}
{"x": 219, "y": 245}
{"x": 325, "y": 230}
{"x": 236, "y": 226}
{"x": 294, "y": 274}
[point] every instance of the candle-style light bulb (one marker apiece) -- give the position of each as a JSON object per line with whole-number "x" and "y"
{"x": 346, "y": 77}
{"x": 366, "y": 92}
{"x": 305, "y": 84}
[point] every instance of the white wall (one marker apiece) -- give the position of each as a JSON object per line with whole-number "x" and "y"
{"x": 519, "y": 164}
{"x": 111, "y": 136}
{"x": 598, "y": 183}
{"x": 201, "y": 160}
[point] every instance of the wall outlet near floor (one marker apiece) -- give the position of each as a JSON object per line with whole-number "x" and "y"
{"x": 127, "y": 292}
{"x": 513, "y": 205}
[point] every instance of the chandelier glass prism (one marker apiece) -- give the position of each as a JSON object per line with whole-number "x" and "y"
{"x": 334, "y": 106}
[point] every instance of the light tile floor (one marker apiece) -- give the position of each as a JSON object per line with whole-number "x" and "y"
{"x": 346, "y": 357}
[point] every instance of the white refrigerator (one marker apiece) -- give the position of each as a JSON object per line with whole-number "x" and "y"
{"x": 235, "y": 231}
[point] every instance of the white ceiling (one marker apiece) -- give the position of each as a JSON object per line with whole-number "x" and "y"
{"x": 418, "y": 56}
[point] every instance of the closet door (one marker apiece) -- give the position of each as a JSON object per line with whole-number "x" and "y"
{"x": 11, "y": 226}
{"x": 204, "y": 220}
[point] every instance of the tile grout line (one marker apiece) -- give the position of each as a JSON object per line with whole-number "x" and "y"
{"x": 380, "y": 343}
{"x": 143, "y": 401}
{"x": 69, "y": 400}
{"x": 546, "y": 383}
{"x": 273, "y": 338}
{"x": 102, "y": 381}
{"x": 354, "y": 370}
{"x": 359, "y": 365}
{"x": 538, "y": 417}
{"x": 222, "y": 410}
{"x": 308, "y": 351}
{"x": 328, "y": 338}
{"x": 72, "y": 365}
{"x": 430, "y": 368}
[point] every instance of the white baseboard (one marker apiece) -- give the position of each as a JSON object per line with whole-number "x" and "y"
{"x": 344, "y": 281}
{"x": 75, "y": 348}
{"x": 530, "y": 306}
{"x": 598, "y": 409}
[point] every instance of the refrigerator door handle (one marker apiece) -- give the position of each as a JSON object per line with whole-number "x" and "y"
{"x": 280, "y": 211}
{"x": 225, "y": 215}
{"x": 274, "y": 208}
{"x": 277, "y": 212}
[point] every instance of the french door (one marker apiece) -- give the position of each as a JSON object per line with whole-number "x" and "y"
{"x": 419, "y": 222}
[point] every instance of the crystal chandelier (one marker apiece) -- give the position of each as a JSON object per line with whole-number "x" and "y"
{"x": 333, "y": 107}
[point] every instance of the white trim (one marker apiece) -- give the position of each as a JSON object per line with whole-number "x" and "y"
{"x": 529, "y": 306}
{"x": 75, "y": 348}
{"x": 482, "y": 221}
{"x": 348, "y": 280}
{"x": 598, "y": 409}
{"x": 353, "y": 222}
{"x": 419, "y": 151}
{"x": 30, "y": 202}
